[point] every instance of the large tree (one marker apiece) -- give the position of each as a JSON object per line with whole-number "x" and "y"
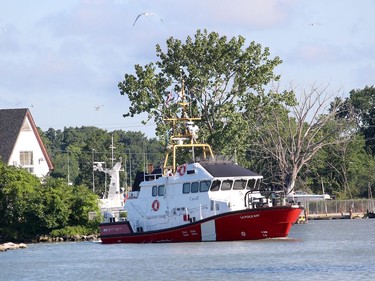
{"x": 292, "y": 136}
{"x": 220, "y": 77}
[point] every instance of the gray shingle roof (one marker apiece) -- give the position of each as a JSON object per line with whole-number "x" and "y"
{"x": 11, "y": 121}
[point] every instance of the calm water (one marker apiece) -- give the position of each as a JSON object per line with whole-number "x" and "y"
{"x": 329, "y": 250}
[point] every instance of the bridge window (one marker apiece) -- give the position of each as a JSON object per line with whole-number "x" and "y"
{"x": 204, "y": 186}
{"x": 194, "y": 187}
{"x": 215, "y": 185}
{"x": 186, "y": 188}
{"x": 257, "y": 184}
{"x": 251, "y": 184}
{"x": 154, "y": 191}
{"x": 239, "y": 184}
{"x": 161, "y": 190}
{"x": 226, "y": 185}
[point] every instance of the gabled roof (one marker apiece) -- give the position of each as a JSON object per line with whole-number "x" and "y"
{"x": 11, "y": 121}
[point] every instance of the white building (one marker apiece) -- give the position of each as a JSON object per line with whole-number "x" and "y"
{"x": 21, "y": 144}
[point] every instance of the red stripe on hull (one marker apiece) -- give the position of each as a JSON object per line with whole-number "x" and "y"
{"x": 251, "y": 224}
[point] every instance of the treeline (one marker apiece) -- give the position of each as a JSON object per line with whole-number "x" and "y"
{"x": 74, "y": 151}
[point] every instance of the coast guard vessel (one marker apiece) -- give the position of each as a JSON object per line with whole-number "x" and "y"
{"x": 195, "y": 197}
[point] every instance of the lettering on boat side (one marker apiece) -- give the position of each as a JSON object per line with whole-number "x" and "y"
{"x": 191, "y": 232}
{"x": 250, "y": 216}
{"x": 194, "y": 198}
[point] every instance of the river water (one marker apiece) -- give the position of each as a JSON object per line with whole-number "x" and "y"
{"x": 319, "y": 250}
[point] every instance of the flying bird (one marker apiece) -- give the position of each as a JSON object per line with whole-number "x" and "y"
{"x": 146, "y": 14}
{"x": 314, "y": 24}
{"x": 97, "y": 108}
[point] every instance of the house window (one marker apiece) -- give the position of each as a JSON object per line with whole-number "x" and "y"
{"x": 26, "y": 158}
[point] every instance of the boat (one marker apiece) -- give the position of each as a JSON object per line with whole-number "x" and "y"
{"x": 112, "y": 204}
{"x": 195, "y": 197}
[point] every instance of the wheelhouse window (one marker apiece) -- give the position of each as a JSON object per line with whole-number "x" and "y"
{"x": 226, "y": 185}
{"x": 186, "y": 188}
{"x": 239, "y": 184}
{"x": 257, "y": 184}
{"x": 204, "y": 186}
{"x": 161, "y": 190}
{"x": 251, "y": 184}
{"x": 26, "y": 158}
{"x": 215, "y": 185}
{"x": 154, "y": 191}
{"x": 194, "y": 187}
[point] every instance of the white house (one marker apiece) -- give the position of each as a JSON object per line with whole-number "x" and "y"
{"x": 21, "y": 144}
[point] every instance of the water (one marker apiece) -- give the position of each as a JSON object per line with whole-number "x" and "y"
{"x": 319, "y": 250}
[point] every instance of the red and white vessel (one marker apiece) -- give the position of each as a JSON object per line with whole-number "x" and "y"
{"x": 203, "y": 199}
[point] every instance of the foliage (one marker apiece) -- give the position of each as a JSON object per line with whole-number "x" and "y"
{"x": 292, "y": 137}
{"x": 361, "y": 103}
{"x": 221, "y": 78}
{"x": 74, "y": 151}
{"x": 29, "y": 208}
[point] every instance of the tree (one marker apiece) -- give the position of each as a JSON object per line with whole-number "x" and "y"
{"x": 220, "y": 77}
{"x": 294, "y": 135}
{"x": 17, "y": 191}
{"x": 362, "y": 104}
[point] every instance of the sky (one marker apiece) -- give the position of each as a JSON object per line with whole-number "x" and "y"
{"x": 64, "y": 59}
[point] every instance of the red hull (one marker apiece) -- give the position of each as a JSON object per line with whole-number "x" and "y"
{"x": 250, "y": 224}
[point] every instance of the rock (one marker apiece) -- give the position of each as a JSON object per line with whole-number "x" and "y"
{"x": 11, "y": 246}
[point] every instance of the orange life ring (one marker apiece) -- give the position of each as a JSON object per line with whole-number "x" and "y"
{"x": 181, "y": 170}
{"x": 155, "y": 205}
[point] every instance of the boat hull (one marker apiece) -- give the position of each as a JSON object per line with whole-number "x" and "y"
{"x": 249, "y": 224}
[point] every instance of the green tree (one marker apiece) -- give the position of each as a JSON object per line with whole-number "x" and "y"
{"x": 17, "y": 190}
{"x": 220, "y": 77}
{"x": 361, "y": 103}
{"x": 29, "y": 208}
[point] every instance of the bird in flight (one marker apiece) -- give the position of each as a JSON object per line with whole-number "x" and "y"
{"x": 314, "y": 24}
{"x": 97, "y": 108}
{"x": 146, "y": 14}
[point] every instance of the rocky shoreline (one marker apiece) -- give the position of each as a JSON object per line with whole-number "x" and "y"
{"x": 48, "y": 239}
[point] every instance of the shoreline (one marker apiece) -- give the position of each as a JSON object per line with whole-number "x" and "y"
{"x": 48, "y": 239}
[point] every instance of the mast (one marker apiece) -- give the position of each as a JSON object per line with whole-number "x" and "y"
{"x": 184, "y": 136}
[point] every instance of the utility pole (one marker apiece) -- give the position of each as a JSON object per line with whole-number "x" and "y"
{"x": 93, "y": 174}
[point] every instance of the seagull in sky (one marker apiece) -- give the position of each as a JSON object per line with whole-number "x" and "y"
{"x": 313, "y": 24}
{"x": 97, "y": 108}
{"x": 146, "y": 14}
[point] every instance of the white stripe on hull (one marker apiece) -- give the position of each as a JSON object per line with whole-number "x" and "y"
{"x": 208, "y": 231}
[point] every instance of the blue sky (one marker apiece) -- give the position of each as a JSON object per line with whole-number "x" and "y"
{"x": 63, "y": 59}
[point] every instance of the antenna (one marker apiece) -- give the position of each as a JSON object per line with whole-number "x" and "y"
{"x": 112, "y": 148}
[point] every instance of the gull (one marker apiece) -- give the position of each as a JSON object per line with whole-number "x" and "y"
{"x": 97, "y": 108}
{"x": 146, "y": 14}
{"x": 313, "y": 24}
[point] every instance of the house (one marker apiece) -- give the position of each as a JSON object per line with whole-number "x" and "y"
{"x": 21, "y": 144}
